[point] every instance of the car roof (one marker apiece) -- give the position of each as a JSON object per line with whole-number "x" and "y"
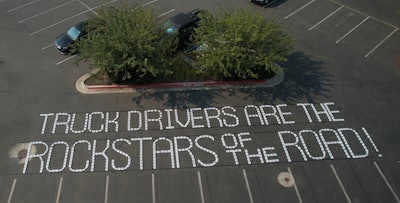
{"x": 80, "y": 25}
{"x": 181, "y": 19}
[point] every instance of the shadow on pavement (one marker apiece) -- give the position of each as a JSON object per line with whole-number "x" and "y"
{"x": 182, "y": 99}
{"x": 305, "y": 80}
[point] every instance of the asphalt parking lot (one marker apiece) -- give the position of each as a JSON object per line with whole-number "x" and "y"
{"x": 343, "y": 24}
{"x": 338, "y": 22}
{"x": 328, "y": 133}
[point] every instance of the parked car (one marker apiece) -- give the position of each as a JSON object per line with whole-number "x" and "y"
{"x": 182, "y": 25}
{"x": 64, "y": 41}
{"x": 262, "y": 2}
{"x": 190, "y": 54}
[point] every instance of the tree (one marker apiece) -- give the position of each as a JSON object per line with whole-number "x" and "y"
{"x": 240, "y": 45}
{"x": 126, "y": 43}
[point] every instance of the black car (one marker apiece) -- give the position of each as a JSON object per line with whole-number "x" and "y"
{"x": 63, "y": 42}
{"x": 262, "y": 2}
{"x": 182, "y": 25}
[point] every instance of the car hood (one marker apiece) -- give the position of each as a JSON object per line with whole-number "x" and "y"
{"x": 63, "y": 40}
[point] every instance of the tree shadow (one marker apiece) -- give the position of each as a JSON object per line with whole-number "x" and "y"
{"x": 181, "y": 99}
{"x": 305, "y": 79}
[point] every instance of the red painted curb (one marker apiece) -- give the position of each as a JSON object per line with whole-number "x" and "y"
{"x": 177, "y": 84}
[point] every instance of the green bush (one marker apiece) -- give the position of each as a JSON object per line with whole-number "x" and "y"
{"x": 126, "y": 43}
{"x": 240, "y": 45}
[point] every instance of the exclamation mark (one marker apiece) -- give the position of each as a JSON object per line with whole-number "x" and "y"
{"x": 372, "y": 142}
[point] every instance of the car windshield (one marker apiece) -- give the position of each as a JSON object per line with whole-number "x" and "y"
{"x": 74, "y": 33}
{"x": 170, "y": 28}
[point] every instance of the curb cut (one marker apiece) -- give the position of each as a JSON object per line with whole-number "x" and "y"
{"x": 180, "y": 86}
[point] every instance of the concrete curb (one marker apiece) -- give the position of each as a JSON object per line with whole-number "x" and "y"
{"x": 164, "y": 87}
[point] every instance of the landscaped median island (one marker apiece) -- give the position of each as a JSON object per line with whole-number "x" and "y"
{"x": 130, "y": 47}
{"x": 91, "y": 84}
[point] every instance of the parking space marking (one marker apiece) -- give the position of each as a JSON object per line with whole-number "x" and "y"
{"x": 362, "y": 13}
{"x": 299, "y": 9}
{"x": 43, "y": 48}
{"x": 248, "y": 186}
{"x": 69, "y": 58}
{"x": 12, "y": 190}
{"x": 90, "y": 9}
{"x": 22, "y": 6}
{"x": 326, "y": 18}
{"x": 59, "y": 22}
{"x": 150, "y": 2}
{"x": 59, "y": 190}
{"x": 165, "y": 13}
{"x": 387, "y": 183}
{"x": 295, "y": 186}
{"x": 354, "y": 28}
{"x": 153, "y": 187}
{"x": 380, "y": 43}
{"x": 44, "y": 12}
{"x": 106, "y": 190}
{"x": 66, "y": 19}
{"x": 200, "y": 186}
{"x": 340, "y": 183}
{"x": 50, "y": 45}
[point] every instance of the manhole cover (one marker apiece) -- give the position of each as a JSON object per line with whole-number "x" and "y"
{"x": 20, "y": 151}
{"x": 285, "y": 179}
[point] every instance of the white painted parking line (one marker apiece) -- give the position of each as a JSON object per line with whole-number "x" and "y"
{"x": 52, "y": 25}
{"x": 150, "y": 2}
{"x": 59, "y": 190}
{"x": 12, "y": 190}
{"x": 387, "y": 183}
{"x": 299, "y": 9}
{"x": 165, "y": 13}
{"x": 295, "y": 186}
{"x": 90, "y": 9}
{"x": 50, "y": 45}
{"x": 106, "y": 190}
{"x": 200, "y": 186}
{"x": 153, "y": 187}
{"x": 326, "y": 18}
{"x": 71, "y": 57}
{"x": 364, "y": 14}
{"x": 44, "y": 12}
{"x": 380, "y": 43}
{"x": 59, "y": 22}
{"x": 19, "y": 7}
{"x": 354, "y": 28}
{"x": 248, "y": 186}
{"x": 340, "y": 183}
